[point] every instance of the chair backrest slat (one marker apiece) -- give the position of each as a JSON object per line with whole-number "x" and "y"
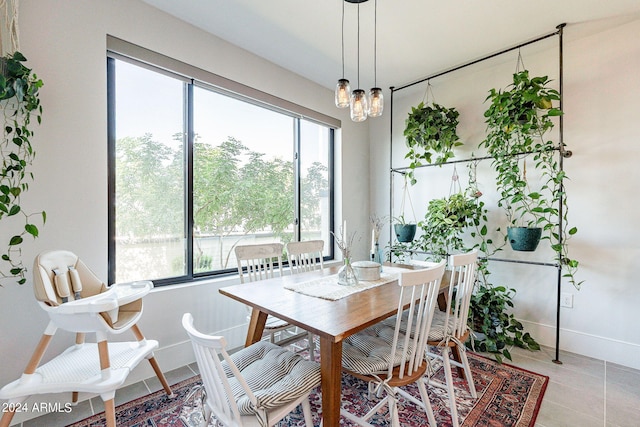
{"x": 463, "y": 276}
{"x": 420, "y": 289}
{"x": 305, "y": 256}
{"x": 259, "y": 262}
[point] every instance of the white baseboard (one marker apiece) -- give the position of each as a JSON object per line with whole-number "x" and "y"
{"x": 607, "y": 349}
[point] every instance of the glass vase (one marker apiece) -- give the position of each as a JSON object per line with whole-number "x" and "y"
{"x": 346, "y": 274}
{"x": 376, "y": 255}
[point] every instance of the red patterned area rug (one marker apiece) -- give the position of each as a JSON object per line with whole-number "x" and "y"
{"x": 507, "y": 397}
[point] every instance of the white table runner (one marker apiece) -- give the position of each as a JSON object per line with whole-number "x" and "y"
{"x": 327, "y": 287}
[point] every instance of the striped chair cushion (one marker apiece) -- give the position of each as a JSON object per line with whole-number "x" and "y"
{"x": 369, "y": 351}
{"x": 438, "y": 328}
{"x": 275, "y": 375}
{"x": 274, "y": 323}
{"x": 437, "y": 331}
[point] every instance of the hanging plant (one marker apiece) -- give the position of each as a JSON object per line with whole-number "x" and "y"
{"x": 516, "y": 131}
{"x": 518, "y": 120}
{"x": 449, "y": 218}
{"x": 446, "y": 221}
{"x": 18, "y": 100}
{"x": 429, "y": 130}
{"x": 405, "y": 230}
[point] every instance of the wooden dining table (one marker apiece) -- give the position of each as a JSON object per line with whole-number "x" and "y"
{"x": 331, "y": 320}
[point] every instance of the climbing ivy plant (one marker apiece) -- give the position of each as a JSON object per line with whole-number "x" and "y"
{"x": 19, "y": 101}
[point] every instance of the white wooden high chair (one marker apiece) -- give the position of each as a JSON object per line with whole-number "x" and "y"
{"x": 77, "y": 301}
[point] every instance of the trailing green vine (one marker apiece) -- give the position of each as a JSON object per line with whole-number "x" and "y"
{"x": 518, "y": 120}
{"x": 19, "y": 100}
{"x": 494, "y": 324}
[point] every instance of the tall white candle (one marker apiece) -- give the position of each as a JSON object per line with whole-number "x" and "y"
{"x": 373, "y": 240}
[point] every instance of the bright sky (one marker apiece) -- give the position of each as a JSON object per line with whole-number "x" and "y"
{"x": 149, "y": 102}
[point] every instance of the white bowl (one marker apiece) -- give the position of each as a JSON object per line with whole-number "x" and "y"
{"x": 366, "y": 270}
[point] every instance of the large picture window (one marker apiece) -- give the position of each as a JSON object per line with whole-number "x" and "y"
{"x": 195, "y": 171}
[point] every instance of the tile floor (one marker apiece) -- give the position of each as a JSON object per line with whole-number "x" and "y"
{"x": 582, "y": 392}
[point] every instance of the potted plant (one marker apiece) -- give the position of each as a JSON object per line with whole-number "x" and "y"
{"x": 518, "y": 120}
{"x": 495, "y": 329}
{"x": 18, "y": 100}
{"x": 444, "y": 226}
{"x": 446, "y": 221}
{"x": 429, "y": 130}
{"x": 405, "y": 231}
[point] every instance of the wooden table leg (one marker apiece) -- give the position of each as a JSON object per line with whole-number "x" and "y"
{"x": 455, "y": 351}
{"x": 331, "y": 376}
{"x": 442, "y": 302}
{"x": 256, "y": 327}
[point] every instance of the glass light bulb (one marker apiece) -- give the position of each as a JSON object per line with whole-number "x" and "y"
{"x": 343, "y": 90}
{"x": 376, "y": 102}
{"x": 359, "y": 106}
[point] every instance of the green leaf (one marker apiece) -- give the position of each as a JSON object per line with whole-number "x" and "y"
{"x": 506, "y": 354}
{"x": 15, "y": 240}
{"x": 14, "y": 210}
{"x": 17, "y": 56}
{"x": 31, "y": 229}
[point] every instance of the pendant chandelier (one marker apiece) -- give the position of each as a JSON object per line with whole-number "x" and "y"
{"x": 361, "y": 105}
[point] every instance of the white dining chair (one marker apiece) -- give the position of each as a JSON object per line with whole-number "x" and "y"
{"x": 305, "y": 256}
{"x": 388, "y": 358}
{"x": 256, "y": 386}
{"x": 450, "y": 329}
{"x": 261, "y": 262}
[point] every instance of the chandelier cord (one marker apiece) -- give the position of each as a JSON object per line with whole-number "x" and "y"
{"x": 375, "y": 43}
{"x": 343, "y": 39}
{"x": 358, "y": 45}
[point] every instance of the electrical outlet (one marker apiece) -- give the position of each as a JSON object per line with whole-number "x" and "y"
{"x": 566, "y": 300}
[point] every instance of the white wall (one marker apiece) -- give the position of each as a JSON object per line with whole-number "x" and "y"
{"x": 65, "y": 43}
{"x": 601, "y": 106}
